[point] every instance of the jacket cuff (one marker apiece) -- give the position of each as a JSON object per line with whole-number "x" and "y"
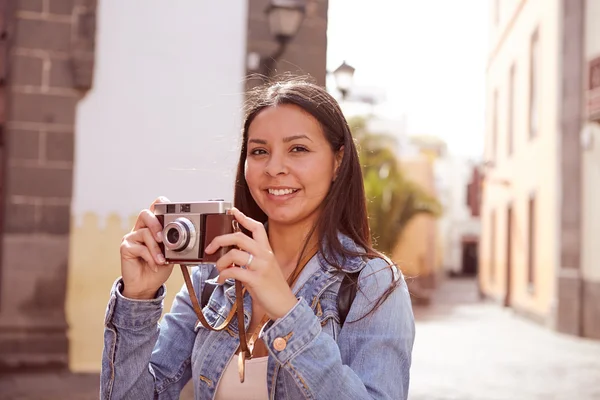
{"x": 290, "y": 334}
{"x": 134, "y": 314}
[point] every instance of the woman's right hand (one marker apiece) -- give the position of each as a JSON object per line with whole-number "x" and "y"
{"x": 143, "y": 266}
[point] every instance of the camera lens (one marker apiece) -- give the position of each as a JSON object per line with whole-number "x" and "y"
{"x": 173, "y": 235}
{"x": 180, "y": 235}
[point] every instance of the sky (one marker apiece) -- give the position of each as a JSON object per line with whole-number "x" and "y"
{"x": 427, "y": 56}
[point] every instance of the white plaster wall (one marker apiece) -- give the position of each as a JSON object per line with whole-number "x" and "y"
{"x": 592, "y": 28}
{"x": 163, "y": 118}
{"x": 591, "y": 160}
{"x": 164, "y": 114}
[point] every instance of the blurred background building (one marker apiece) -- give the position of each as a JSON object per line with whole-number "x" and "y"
{"x": 47, "y": 53}
{"x": 458, "y": 182}
{"x": 104, "y": 107}
{"x": 539, "y": 214}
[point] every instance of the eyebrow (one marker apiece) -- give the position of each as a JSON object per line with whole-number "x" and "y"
{"x": 285, "y": 139}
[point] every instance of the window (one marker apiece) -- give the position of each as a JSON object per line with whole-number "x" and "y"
{"x": 494, "y": 126}
{"x": 492, "y": 246}
{"x": 496, "y": 12}
{"x": 534, "y": 84}
{"x": 511, "y": 110}
{"x": 531, "y": 242}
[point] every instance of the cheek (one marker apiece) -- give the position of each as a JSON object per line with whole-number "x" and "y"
{"x": 251, "y": 174}
{"x": 319, "y": 178}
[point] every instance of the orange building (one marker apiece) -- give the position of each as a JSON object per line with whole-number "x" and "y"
{"x": 540, "y": 222}
{"x": 418, "y": 250}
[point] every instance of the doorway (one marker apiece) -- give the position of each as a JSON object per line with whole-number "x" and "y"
{"x": 509, "y": 226}
{"x": 469, "y": 258}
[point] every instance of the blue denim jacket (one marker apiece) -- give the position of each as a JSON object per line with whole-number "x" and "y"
{"x": 366, "y": 359}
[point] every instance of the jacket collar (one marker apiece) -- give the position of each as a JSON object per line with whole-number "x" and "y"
{"x": 350, "y": 264}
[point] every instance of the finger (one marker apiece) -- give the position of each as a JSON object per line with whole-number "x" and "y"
{"x": 243, "y": 275}
{"x": 237, "y": 239}
{"x": 147, "y": 219}
{"x": 140, "y": 251}
{"x": 160, "y": 199}
{"x": 258, "y": 230}
{"x": 144, "y": 236}
{"x": 234, "y": 256}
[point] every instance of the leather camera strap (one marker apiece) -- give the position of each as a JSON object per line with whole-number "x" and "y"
{"x": 246, "y": 346}
{"x": 237, "y": 305}
{"x": 291, "y": 280}
{"x": 237, "y": 309}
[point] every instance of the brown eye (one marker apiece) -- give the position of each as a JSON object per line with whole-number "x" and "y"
{"x": 258, "y": 152}
{"x": 297, "y": 149}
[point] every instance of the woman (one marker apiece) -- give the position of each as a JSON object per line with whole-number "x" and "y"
{"x": 299, "y": 192}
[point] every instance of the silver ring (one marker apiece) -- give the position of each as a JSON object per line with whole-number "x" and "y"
{"x": 249, "y": 260}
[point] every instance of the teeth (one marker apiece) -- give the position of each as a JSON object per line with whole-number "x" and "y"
{"x": 281, "y": 192}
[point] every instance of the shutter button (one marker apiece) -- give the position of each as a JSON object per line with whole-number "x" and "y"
{"x": 279, "y": 344}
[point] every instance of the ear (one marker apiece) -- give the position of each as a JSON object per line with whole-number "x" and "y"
{"x": 339, "y": 156}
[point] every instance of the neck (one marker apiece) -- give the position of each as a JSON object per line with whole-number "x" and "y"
{"x": 287, "y": 241}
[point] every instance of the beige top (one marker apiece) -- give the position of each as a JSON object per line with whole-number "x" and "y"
{"x": 255, "y": 382}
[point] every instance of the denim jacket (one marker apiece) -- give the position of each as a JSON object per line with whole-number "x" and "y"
{"x": 368, "y": 358}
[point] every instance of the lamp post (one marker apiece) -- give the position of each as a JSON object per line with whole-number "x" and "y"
{"x": 285, "y": 18}
{"x": 344, "y": 74}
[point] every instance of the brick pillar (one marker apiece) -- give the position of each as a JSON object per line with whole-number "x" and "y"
{"x": 49, "y": 67}
{"x": 568, "y": 314}
{"x": 306, "y": 54}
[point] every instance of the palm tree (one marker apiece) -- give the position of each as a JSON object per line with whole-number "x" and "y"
{"x": 393, "y": 200}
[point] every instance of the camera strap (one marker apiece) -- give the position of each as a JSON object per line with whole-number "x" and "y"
{"x": 237, "y": 309}
{"x": 246, "y": 346}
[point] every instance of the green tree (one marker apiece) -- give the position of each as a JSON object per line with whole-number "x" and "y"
{"x": 393, "y": 200}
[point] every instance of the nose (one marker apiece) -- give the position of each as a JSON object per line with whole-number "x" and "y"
{"x": 276, "y": 165}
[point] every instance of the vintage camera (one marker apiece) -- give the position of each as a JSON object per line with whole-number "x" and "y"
{"x": 189, "y": 227}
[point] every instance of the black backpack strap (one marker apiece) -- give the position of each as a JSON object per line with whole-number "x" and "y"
{"x": 208, "y": 289}
{"x": 346, "y": 294}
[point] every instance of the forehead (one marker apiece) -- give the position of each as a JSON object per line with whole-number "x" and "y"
{"x": 284, "y": 120}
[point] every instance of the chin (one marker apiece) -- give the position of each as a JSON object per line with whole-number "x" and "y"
{"x": 284, "y": 217}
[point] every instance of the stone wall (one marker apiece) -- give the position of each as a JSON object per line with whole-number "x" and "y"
{"x": 49, "y": 67}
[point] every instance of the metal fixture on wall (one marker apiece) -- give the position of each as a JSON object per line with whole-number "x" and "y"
{"x": 284, "y": 18}
{"x": 344, "y": 74}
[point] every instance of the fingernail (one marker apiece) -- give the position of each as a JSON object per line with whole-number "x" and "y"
{"x": 155, "y": 268}
{"x": 159, "y": 237}
{"x": 161, "y": 259}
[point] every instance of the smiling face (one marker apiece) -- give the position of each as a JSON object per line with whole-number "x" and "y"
{"x": 290, "y": 164}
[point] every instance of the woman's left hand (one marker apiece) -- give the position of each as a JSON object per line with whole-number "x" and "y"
{"x": 260, "y": 272}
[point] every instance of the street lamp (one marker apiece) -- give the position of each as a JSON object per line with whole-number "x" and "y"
{"x": 344, "y": 74}
{"x": 285, "y": 18}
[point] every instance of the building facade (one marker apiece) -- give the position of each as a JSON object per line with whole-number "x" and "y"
{"x": 416, "y": 251}
{"x": 99, "y": 117}
{"x": 160, "y": 120}
{"x": 534, "y": 193}
{"x": 306, "y": 53}
{"x": 590, "y": 176}
{"x": 46, "y": 60}
{"x": 459, "y": 226}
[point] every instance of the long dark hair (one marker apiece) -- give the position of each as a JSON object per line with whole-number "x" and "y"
{"x": 344, "y": 209}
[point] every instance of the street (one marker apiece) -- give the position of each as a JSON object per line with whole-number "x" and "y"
{"x": 465, "y": 350}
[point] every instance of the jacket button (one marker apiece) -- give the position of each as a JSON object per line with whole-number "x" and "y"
{"x": 279, "y": 344}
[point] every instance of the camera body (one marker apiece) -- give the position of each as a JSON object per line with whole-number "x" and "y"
{"x": 188, "y": 227}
